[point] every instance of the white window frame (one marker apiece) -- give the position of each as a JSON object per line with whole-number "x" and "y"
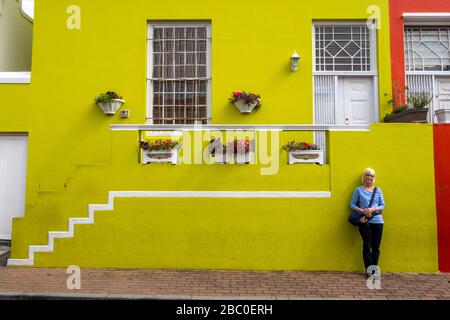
{"x": 19, "y": 77}
{"x": 422, "y": 72}
{"x": 186, "y": 24}
{"x": 426, "y": 19}
{"x": 373, "y": 73}
{"x": 420, "y": 19}
{"x": 373, "y": 49}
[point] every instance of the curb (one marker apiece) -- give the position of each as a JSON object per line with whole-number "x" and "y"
{"x": 115, "y": 296}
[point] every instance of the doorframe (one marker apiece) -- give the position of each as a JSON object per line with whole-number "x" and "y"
{"x": 23, "y": 137}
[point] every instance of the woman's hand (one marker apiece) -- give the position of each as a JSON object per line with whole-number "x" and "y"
{"x": 368, "y": 212}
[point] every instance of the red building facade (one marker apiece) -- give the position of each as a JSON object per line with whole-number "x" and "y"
{"x": 420, "y": 52}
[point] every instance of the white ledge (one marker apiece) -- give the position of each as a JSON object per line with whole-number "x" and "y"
{"x": 421, "y": 18}
{"x": 256, "y": 127}
{"x": 15, "y": 77}
{"x": 218, "y": 194}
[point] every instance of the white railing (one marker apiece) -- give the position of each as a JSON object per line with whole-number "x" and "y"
{"x": 423, "y": 83}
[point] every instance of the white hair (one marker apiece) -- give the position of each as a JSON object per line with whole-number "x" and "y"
{"x": 368, "y": 171}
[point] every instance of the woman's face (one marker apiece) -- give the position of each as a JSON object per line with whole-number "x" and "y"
{"x": 368, "y": 179}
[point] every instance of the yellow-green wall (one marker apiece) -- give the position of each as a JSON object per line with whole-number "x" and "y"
{"x": 251, "y": 46}
{"x": 74, "y": 158}
{"x": 263, "y": 234}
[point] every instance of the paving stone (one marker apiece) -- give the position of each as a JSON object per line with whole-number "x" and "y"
{"x": 47, "y": 283}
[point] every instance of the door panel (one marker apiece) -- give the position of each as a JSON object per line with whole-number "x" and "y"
{"x": 356, "y": 101}
{"x": 13, "y": 165}
{"x": 443, "y": 92}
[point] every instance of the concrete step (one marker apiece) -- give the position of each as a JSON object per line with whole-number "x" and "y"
{"x": 4, "y": 255}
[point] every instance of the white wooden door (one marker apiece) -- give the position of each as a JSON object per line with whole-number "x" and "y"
{"x": 355, "y": 101}
{"x": 13, "y": 167}
{"x": 443, "y": 93}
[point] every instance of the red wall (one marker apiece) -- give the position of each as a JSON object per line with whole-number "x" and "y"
{"x": 397, "y": 8}
{"x": 442, "y": 176}
{"x": 441, "y": 132}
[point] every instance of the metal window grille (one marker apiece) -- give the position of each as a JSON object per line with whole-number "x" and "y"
{"x": 179, "y": 74}
{"x": 427, "y": 48}
{"x": 324, "y": 106}
{"x": 423, "y": 83}
{"x": 343, "y": 48}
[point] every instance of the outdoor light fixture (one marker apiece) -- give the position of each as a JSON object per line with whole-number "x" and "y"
{"x": 295, "y": 58}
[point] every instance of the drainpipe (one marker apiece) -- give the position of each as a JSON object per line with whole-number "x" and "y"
{"x": 27, "y": 9}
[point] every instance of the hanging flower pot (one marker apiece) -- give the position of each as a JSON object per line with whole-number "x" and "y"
{"x": 111, "y": 107}
{"x": 109, "y": 102}
{"x": 244, "y": 107}
{"x": 245, "y": 102}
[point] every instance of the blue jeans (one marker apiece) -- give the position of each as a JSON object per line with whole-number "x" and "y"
{"x": 371, "y": 235}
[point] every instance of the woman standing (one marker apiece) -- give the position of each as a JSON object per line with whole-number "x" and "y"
{"x": 371, "y": 229}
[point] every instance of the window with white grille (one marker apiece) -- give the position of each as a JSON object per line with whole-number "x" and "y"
{"x": 179, "y": 73}
{"x": 343, "y": 48}
{"x": 427, "y": 48}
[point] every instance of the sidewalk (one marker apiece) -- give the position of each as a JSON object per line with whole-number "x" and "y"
{"x": 25, "y": 283}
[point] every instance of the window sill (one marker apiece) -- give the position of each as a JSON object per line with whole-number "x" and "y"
{"x": 15, "y": 77}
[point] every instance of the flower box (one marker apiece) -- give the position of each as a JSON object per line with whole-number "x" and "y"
{"x": 242, "y": 158}
{"x": 234, "y": 152}
{"x": 230, "y": 158}
{"x": 305, "y": 156}
{"x": 409, "y": 115}
{"x": 443, "y": 115}
{"x": 157, "y": 151}
{"x": 223, "y": 158}
{"x": 160, "y": 156}
{"x": 244, "y": 107}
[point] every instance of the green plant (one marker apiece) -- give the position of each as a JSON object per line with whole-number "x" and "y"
{"x": 299, "y": 145}
{"x": 419, "y": 100}
{"x": 399, "y": 109}
{"x": 398, "y": 98}
{"x": 108, "y": 96}
{"x": 158, "y": 145}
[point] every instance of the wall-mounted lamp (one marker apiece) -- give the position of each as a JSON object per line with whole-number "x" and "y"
{"x": 295, "y": 58}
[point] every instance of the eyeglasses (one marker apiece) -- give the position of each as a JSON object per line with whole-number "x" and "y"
{"x": 370, "y": 175}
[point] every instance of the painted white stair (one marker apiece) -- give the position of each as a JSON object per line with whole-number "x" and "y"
{"x": 52, "y": 235}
